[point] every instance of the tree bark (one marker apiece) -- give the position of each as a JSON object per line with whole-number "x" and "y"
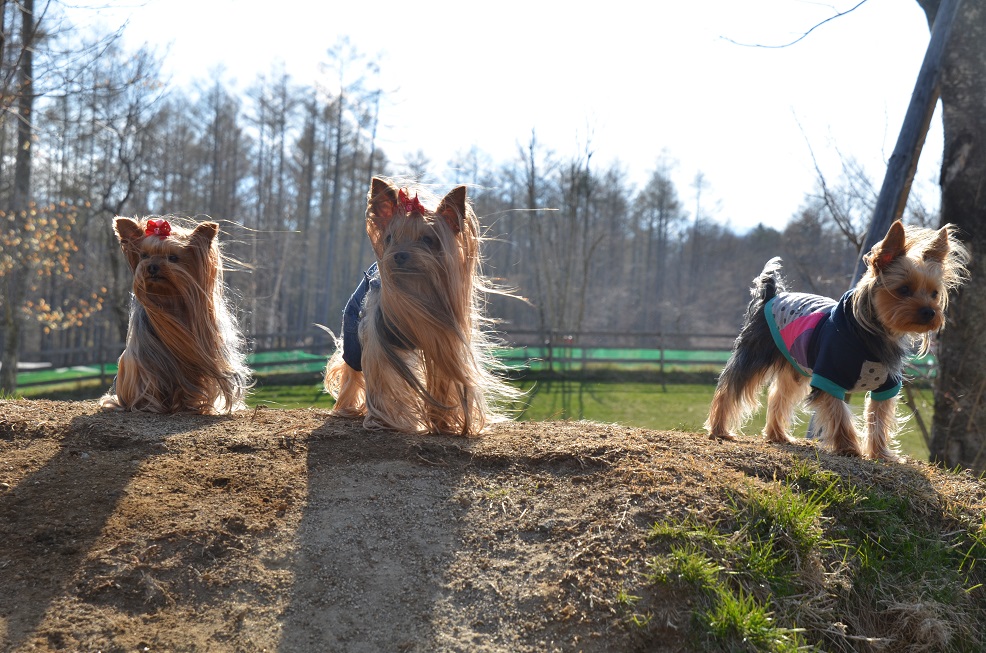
{"x": 20, "y": 199}
{"x": 25, "y": 108}
{"x": 959, "y": 425}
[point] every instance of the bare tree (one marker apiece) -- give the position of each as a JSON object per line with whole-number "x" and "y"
{"x": 37, "y": 244}
{"x": 349, "y": 73}
{"x": 16, "y": 279}
{"x": 959, "y": 425}
{"x": 659, "y": 216}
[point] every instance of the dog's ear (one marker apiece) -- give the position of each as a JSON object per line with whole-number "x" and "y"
{"x": 938, "y": 249}
{"x": 889, "y": 249}
{"x": 452, "y": 209}
{"x": 129, "y": 233}
{"x": 127, "y": 229}
{"x": 203, "y": 235}
{"x": 381, "y": 205}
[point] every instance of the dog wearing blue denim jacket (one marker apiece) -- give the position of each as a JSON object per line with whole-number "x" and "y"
{"x": 413, "y": 356}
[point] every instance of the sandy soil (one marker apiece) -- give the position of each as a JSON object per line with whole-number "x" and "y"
{"x": 297, "y": 531}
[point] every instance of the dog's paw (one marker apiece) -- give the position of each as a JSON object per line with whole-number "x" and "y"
{"x": 349, "y": 413}
{"x": 110, "y": 404}
{"x": 722, "y": 436}
{"x": 778, "y": 438}
{"x": 886, "y": 456}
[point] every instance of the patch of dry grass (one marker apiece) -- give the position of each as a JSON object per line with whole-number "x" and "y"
{"x": 851, "y": 556}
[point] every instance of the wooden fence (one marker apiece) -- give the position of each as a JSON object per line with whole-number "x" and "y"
{"x": 562, "y": 352}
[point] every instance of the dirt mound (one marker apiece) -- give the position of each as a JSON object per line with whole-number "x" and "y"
{"x": 297, "y": 531}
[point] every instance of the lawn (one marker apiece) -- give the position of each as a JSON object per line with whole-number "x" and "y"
{"x": 675, "y": 406}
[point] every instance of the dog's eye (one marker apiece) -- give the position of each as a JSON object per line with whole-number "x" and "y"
{"x": 173, "y": 258}
{"x": 904, "y": 291}
{"x": 934, "y": 294}
{"x": 144, "y": 255}
{"x": 386, "y": 241}
{"x": 429, "y": 241}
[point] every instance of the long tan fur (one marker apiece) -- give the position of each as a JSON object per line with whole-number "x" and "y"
{"x": 184, "y": 351}
{"x": 425, "y": 355}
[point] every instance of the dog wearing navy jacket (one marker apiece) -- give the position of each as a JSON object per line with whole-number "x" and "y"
{"x": 811, "y": 346}
{"x": 413, "y": 356}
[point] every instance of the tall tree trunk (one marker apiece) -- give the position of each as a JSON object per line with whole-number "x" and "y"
{"x": 536, "y": 225}
{"x": 328, "y": 259}
{"x": 959, "y": 426}
{"x": 16, "y": 281}
{"x": 25, "y": 107}
{"x": 306, "y": 191}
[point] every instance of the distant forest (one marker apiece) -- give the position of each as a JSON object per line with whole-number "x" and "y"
{"x": 285, "y": 167}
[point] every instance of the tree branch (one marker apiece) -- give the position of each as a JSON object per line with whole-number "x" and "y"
{"x": 800, "y": 38}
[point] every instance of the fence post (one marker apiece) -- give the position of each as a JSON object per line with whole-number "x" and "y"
{"x": 101, "y": 354}
{"x": 660, "y": 345}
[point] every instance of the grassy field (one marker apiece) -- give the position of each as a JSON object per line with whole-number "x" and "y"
{"x": 676, "y": 406}
{"x": 632, "y": 396}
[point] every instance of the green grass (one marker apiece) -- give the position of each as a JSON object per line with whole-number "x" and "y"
{"x": 782, "y": 514}
{"x": 290, "y": 396}
{"x": 775, "y": 565}
{"x": 677, "y": 406}
{"x": 681, "y": 407}
{"x": 685, "y": 564}
{"x": 745, "y": 623}
{"x": 727, "y": 617}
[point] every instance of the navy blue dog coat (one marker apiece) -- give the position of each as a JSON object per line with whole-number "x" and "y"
{"x": 821, "y": 339}
{"x": 352, "y": 350}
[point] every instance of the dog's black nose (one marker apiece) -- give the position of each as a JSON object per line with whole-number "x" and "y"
{"x": 926, "y": 315}
{"x": 153, "y": 269}
{"x": 400, "y": 258}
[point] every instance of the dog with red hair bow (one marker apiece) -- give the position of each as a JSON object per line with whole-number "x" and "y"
{"x": 413, "y": 356}
{"x": 184, "y": 351}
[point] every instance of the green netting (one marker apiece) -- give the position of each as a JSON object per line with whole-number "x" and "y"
{"x": 535, "y": 358}
{"x": 618, "y": 354}
{"x": 284, "y": 356}
{"x": 63, "y": 374}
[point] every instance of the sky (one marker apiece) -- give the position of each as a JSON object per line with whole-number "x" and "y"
{"x": 645, "y": 83}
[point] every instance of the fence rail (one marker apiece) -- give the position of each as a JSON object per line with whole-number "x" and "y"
{"x": 302, "y": 353}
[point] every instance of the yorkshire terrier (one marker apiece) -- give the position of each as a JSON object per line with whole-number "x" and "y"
{"x": 184, "y": 352}
{"x": 812, "y": 346}
{"x": 412, "y": 356}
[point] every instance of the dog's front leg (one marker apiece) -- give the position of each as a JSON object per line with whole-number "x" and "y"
{"x": 835, "y": 421}
{"x": 881, "y": 428}
{"x": 391, "y": 402}
{"x": 349, "y": 389}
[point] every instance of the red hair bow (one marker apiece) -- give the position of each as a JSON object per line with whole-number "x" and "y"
{"x": 410, "y": 204}
{"x": 160, "y": 228}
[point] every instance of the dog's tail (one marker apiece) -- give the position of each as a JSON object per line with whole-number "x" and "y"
{"x": 769, "y": 282}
